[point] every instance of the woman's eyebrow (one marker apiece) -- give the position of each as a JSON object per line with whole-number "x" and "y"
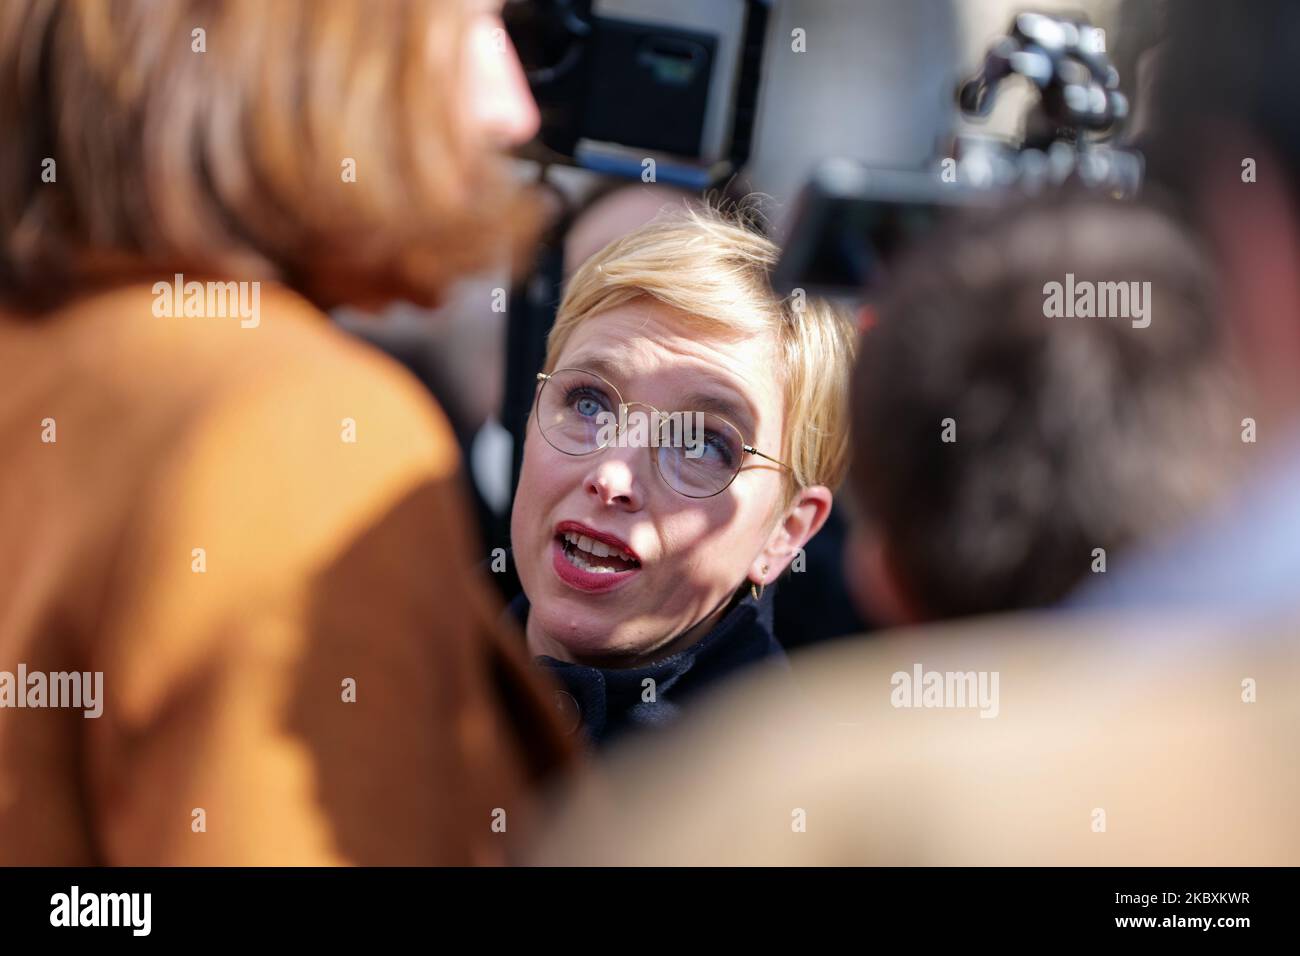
{"x": 739, "y": 411}
{"x": 601, "y": 366}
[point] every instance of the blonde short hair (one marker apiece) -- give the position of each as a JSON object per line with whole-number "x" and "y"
{"x": 713, "y": 266}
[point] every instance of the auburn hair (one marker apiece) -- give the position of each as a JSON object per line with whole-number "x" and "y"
{"x": 318, "y": 143}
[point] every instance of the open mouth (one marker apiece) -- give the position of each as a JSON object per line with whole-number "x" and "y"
{"x": 595, "y": 557}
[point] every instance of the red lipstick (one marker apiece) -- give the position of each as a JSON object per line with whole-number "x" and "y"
{"x": 590, "y": 560}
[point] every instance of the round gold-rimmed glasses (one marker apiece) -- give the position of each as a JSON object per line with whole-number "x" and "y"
{"x": 697, "y": 454}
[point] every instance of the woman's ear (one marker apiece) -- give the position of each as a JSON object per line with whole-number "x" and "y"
{"x": 801, "y": 520}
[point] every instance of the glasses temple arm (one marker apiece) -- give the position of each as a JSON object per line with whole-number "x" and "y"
{"x": 754, "y": 451}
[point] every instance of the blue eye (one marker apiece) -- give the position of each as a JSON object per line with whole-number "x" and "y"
{"x": 719, "y": 446}
{"x": 586, "y": 401}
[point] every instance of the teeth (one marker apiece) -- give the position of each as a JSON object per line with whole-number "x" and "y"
{"x": 598, "y": 549}
{"x": 577, "y": 560}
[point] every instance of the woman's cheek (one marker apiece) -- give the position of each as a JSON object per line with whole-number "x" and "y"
{"x": 526, "y": 516}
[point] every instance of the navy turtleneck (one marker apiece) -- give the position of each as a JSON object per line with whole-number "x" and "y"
{"x": 610, "y": 701}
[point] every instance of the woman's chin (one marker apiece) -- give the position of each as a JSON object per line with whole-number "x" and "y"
{"x": 589, "y": 641}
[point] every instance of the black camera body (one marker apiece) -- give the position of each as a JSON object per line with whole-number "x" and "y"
{"x": 663, "y": 94}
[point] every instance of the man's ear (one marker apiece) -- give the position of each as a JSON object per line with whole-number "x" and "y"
{"x": 1257, "y": 247}
{"x": 873, "y": 582}
{"x": 800, "y": 521}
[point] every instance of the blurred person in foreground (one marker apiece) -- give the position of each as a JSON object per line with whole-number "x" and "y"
{"x": 249, "y": 523}
{"x": 1120, "y": 737}
{"x": 686, "y": 436}
{"x": 1224, "y": 137}
{"x": 1009, "y": 445}
{"x": 1032, "y": 739}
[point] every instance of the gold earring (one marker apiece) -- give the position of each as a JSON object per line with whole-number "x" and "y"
{"x": 758, "y": 592}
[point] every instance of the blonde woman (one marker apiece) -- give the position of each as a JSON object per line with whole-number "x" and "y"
{"x": 687, "y": 434}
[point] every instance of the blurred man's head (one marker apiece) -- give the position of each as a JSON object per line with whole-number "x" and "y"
{"x": 1224, "y": 137}
{"x": 1043, "y": 382}
{"x": 349, "y": 150}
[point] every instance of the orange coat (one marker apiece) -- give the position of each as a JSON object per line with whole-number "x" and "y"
{"x": 200, "y": 530}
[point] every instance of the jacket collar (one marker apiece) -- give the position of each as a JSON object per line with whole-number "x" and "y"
{"x": 609, "y": 701}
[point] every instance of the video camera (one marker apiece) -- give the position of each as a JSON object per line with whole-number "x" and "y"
{"x": 620, "y": 85}
{"x": 851, "y": 219}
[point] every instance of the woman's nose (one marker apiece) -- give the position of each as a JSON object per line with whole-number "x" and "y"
{"x": 613, "y": 479}
{"x": 502, "y": 108}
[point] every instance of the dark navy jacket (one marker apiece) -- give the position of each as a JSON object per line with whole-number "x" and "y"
{"x": 612, "y": 701}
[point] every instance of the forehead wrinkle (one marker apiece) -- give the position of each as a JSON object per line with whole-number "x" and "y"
{"x": 595, "y": 363}
{"x": 731, "y": 400}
